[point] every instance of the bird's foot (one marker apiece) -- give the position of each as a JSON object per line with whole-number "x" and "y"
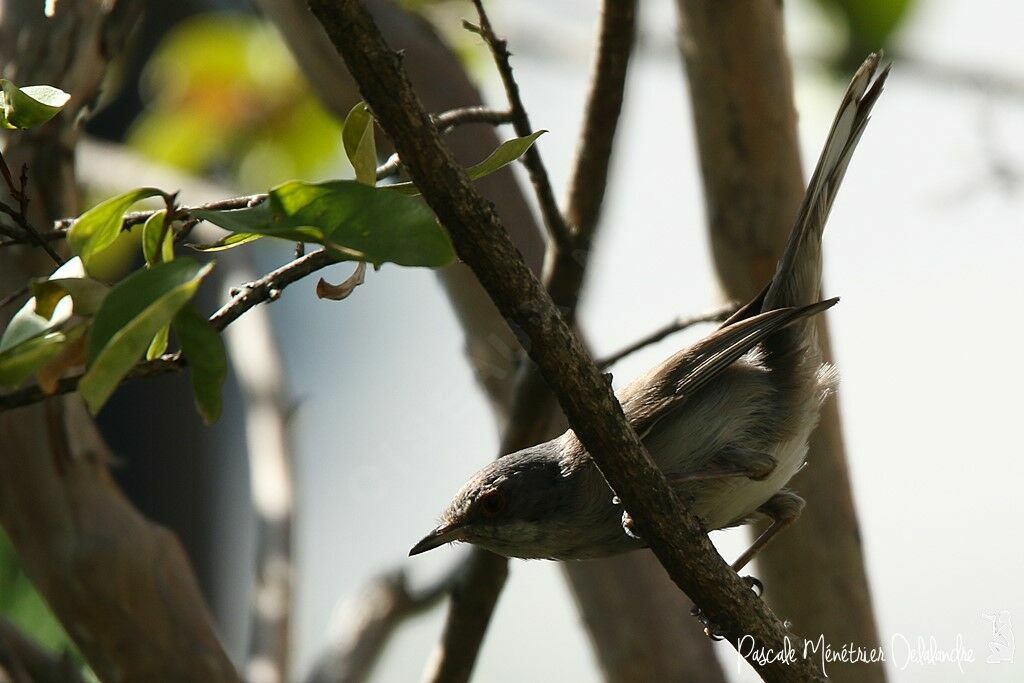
{"x": 629, "y": 527}
{"x": 754, "y": 584}
{"x": 710, "y": 630}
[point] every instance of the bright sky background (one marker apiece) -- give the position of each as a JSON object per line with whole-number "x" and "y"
{"x": 924, "y": 247}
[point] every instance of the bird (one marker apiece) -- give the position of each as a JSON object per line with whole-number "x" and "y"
{"x": 727, "y": 419}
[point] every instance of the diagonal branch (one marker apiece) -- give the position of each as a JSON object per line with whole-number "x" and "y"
{"x": 584, "y": 394}
{"x": 475, "y": 597}
{"x": 362, "y": 625}
{"x": 677, "y": 325}
{"x": 589, "y": 180}
{"x": 655, "y": 606}
{"x": 554, "y": 221}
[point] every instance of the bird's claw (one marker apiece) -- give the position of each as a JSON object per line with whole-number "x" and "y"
{"x": 710, "y": 630}
{"x": 754, "y": 584}
{"x": 629, "y": 527}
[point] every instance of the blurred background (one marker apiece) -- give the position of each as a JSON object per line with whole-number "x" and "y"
{"x": 923, "y": 247}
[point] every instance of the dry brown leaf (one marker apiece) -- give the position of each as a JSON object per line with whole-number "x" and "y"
{"x": 325, "y": 290}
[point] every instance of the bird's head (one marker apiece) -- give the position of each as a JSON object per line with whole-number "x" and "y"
{"x": 521, "y": 505}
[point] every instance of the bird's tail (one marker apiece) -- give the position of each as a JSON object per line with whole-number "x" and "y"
{"x": 797, "y": 280}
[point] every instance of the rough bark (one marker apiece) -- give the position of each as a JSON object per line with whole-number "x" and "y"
{"x": 490, "y": 346}
{"x": 586, "y": 397}
{"x": 742, "y": 93}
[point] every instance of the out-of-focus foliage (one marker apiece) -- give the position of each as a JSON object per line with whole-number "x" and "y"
{"x": 870, "y": 25}
{"x": 20, "y": 603}
{"x": 225, "y": 96}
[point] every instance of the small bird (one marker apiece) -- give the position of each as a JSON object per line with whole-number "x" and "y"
{"x": 727, "y": 420}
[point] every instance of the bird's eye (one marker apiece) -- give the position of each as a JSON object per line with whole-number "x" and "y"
{"x": 491, "y": 503}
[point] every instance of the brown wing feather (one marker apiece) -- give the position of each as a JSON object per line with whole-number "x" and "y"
{"x": 650, "y": 398}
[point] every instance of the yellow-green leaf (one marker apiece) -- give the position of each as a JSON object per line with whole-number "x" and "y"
{"x": 98, "y": 227}
{"x": 131, "y": 315}
{"x": 507, "y": 152}
{"x": 30, "y": 106}
{"x": 235, "y": 239}
{"x": 157, "y": 239}
{"x": 360, "y": 147}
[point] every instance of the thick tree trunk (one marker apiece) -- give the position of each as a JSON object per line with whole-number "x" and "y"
{"x": 742, "y": 94}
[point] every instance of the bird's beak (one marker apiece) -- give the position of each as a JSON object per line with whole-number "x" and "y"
{"x": 446, "y": 533}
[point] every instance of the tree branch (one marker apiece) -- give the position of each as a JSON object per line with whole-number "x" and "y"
{"x": 533, "y": 408}
{"x": 267, "y": 288}
{"x": 586, "y": 397}
{"x": 587, "y": 184}
{"x": 364, "y": 623}
{"x": 656, "y": 607}
{"x": 554, "y": 221}
{"x": 677, "y": 325}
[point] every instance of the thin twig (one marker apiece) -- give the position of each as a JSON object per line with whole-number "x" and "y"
{"x": 473, "y": 114}
{"x": 20, "y": 215}
{"x": 363, "y": 623}
{"x": 589, "y": 179}
{"x": 983, "y": 81}
{"x": 54, "y": 235}
{"x": 554, "y": 221}
{"x": 13, "y": 296}
{"x": 447, "y": 122}
{"x": 677, "y": 325}
{"x": 267, "y": 288}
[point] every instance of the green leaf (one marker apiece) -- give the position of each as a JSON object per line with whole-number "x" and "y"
{"x": 235, "y": 239}
{"x": 158, "y": 345}
{"x": 362, "y": 223}
{"x": 130, "y": 317}
{"x": 157, "y": 247}
{"x": 507, "y": 152}
{"x": 86, "y": 294}
{"x": 30, "y": 106}
{"x": 157, "y": 239}
{"x": 31, "y": 320}
{"x": 204, "y": 349}
{"x": 18, "y": 362}
{"x": 98, "y": 227}
{"x": 357, "y": 138}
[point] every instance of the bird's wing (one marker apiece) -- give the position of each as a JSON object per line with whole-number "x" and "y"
{"x": 650, "y": 398}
